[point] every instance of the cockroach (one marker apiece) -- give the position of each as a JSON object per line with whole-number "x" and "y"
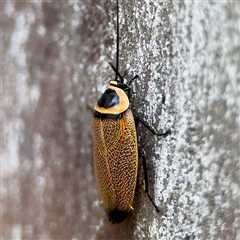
{"x": 115, "y": 148}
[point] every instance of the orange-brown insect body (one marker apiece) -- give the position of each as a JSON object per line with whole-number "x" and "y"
{"x": 115, "y": 152}
{"x": 115, "y": 149}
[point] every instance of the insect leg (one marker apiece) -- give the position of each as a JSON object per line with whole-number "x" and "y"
{"x": 137, "y": 120}
{"x": 114, "y": 69}
{"x": 130, "y": 82}
{"x": 142, "y": 155}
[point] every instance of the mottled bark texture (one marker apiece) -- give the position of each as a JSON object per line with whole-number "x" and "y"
{"x": 186, "y": 54}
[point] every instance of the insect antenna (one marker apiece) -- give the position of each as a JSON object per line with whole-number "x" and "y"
{"x": 114, "y": 69}
{"x": 117, "y": 47}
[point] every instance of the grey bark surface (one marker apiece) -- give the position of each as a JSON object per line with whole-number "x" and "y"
{"x": 187, "y": 56}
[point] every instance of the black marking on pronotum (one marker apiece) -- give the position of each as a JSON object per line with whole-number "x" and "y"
{"x": 108, "y": 99}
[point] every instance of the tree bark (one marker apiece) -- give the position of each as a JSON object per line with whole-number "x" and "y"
{"x": 53, "y": 70}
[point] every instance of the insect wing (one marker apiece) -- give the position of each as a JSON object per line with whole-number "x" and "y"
{"x": 116, "y": 161}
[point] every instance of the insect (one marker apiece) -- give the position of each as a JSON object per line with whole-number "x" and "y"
{"x": 115, "y": 148}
